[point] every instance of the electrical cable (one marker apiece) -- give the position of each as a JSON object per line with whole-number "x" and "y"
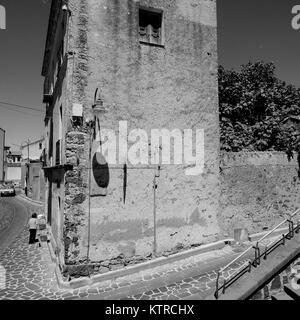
{"x": 30, "y": 114}
{"x": 20, "y": 106}
{"x": 24, "y": 107}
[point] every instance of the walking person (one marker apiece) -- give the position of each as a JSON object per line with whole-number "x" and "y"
{"x": 32, "y": 224}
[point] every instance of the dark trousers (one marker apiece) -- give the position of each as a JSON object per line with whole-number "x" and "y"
{"x": 32, "y": 236}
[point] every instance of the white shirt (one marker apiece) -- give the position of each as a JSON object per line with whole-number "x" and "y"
{"x": 32, "y": 223}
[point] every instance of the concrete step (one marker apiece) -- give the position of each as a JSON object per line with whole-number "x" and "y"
{"x": 294, "y": 294}
{"x": 281, "y": 296}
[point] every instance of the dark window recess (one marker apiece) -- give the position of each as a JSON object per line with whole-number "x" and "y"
{"x": 150, "y": 26}
{"x": 57, "y": 153}
{"x": 77, "y": 121}
{"x": 51, "y": 140}
{"x": 43, "y": 158}
{"x": 60, "y": 58}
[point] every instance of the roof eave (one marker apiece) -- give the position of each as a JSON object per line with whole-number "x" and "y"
{"x": 51, "y": 30}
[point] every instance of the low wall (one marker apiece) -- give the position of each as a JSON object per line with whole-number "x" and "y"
{"x": 257, "y": 190}
{"x": 277, "y": 284}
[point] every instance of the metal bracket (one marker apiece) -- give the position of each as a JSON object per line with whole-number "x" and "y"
{"x": 257, "y": 255}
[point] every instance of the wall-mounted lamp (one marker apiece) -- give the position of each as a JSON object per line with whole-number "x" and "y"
{"x": 65, "y": 8}
{"x": 98, "y": 105}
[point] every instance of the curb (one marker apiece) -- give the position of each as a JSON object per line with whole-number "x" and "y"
{"x": 62, "y": 284}
{"x": 161, "y": 261}
{"x": 257, "y": 236}
{"x": 23, "y": 197}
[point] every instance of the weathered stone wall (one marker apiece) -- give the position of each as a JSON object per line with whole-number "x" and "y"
{"x": 170, "y": 87}
{"x": 257, "y": 189}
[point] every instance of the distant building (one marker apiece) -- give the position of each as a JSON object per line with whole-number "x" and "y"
{"x": 13, "y": 165}
{"x": 14, "y": 156}
{"x": 33, "y": 180}
{"x": 32, "y": 175}
{"x": 32, "y": 149}
{"x": 2, "y": 153}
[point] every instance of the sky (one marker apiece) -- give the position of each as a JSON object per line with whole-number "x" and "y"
{"x": 248, "y": 30}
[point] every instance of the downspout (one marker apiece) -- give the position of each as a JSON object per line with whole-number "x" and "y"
{"x": 89, "y": 195}
{"x": 156, "y": 175}
{"x": 92, "y": 136}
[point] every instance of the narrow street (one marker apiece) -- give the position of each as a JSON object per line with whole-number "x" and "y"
{"x": 13, "y": 218}
{"x": 30, "y": 272}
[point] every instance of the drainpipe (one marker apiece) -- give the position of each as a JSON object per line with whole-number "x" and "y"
{"x": 89, "y": 195}
{"x": 91, "y": 124}
{"x": 156, "y": 175}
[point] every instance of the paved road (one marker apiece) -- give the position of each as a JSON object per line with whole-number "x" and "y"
{"x": 30, "y": 272}
{"x": 16, "y": 216}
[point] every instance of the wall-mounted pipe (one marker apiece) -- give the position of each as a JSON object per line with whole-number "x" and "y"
{"x": 89, "y": 195}
{"x": 155, "y": 185}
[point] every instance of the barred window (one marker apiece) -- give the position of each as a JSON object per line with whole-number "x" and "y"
{"x": 150, "y": 26}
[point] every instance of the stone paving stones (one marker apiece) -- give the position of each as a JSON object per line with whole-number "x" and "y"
{"x": 31, "y": 276}
{"x": 6, "y": 215}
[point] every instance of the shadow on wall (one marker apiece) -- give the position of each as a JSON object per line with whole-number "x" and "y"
{"x": 101, "y": 176}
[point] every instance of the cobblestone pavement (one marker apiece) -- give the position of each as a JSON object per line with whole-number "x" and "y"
{"x": 6, "y": 215}
{"x": 194, "y": 287}
{"x": 181, "y": 282}
{"x": 29, "y": 272}
{"x": 30, "y": 275}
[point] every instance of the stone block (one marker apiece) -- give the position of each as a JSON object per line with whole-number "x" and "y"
{"x": 241, "y": 235}
{"x": 276, "y": 283}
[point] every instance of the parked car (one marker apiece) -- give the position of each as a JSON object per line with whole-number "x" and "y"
{"x": 7, "y": 188}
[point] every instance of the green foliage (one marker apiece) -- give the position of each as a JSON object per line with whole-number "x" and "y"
{"x": 253, "y": 103}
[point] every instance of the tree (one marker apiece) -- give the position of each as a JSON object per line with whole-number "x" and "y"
{"x": 253, "y": 102}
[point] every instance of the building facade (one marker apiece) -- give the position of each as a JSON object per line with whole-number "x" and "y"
{"x": 12, "y": 165}
{"x": 123, "y": 66}
{"x": 32, "y": 150}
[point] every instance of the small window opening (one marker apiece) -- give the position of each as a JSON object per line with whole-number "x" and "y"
{"x": 150, "y": 26}
{"x": 77, "y": 121}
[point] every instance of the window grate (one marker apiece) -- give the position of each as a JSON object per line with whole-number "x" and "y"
{"x": 150, "y": 26}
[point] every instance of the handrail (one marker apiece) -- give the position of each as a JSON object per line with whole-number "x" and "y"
{"x": 262, "y": 238}
{"x": 256, "y": 249}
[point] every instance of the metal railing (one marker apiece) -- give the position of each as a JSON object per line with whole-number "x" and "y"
{"x": 258, "y": 254}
